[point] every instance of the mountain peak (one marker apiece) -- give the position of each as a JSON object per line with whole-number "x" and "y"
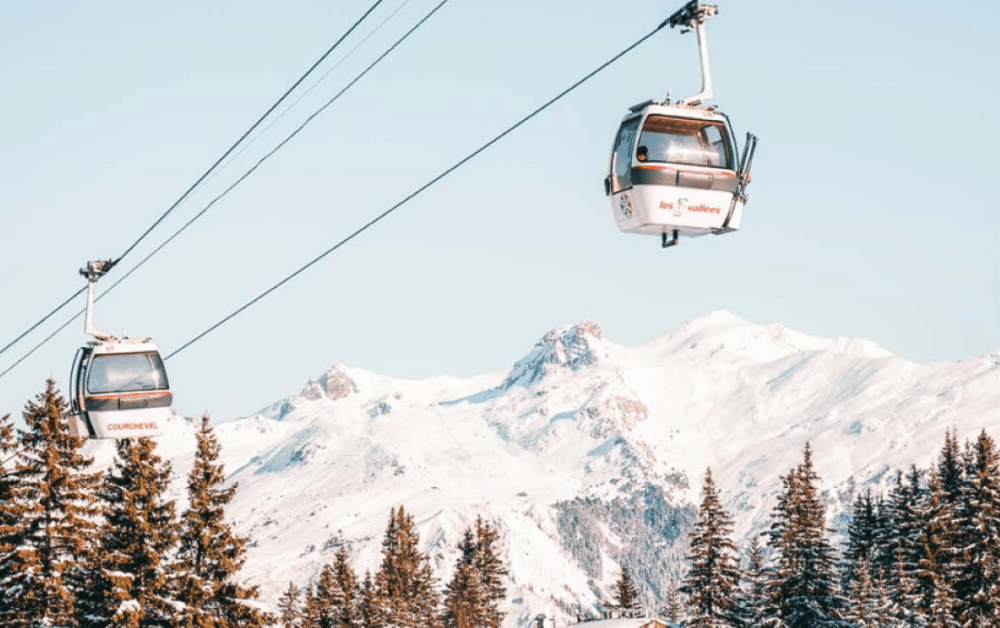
{"x": 335, "y": 384}
{"x": 570, "y": 348}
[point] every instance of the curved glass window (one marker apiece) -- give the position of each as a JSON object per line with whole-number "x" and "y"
{"x": 126, "y": 372}
{"x": 621, "y": 158}
{"x": 685, "y": 141}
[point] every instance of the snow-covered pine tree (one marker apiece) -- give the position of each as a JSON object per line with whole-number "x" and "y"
{"x": 903, "y": 603}
{"x": 863, "y": 610}
{"x": 347, "y": 580}
{"x": 54, "y": 499}
{"x": 336, "y": 593}
{"x": 804, "y": 588}
{"x": 329, "y": 599}
{"x": 464, "y": 596}
{"x": 909, "y": 499}
{"x": 883, "y": 603}
{"x": 405, "y": 589}
{"x": 367, "y": 604}
{"x": 211, "y": 554}
{"x": 289, "y": 614}
{"x": 886, "y": 539}
{"x": 310, "y": 616}
{"x": 674, "y": 611}
{"x": 491, "y": 571}
{"x": 427, "y": 599}
{"x": 935, "y": 539}
{"x": 754, "y": 594}
{"x": 943, "y": 606}
{"x": 978, "y": 586}
{"x": 950, "y": 468}
{"x": 9, "y": 517}
{"x": 713, "y": 580}
{"x": 861, "y": 538}
{"x": 626, "y": 593}
{"x": 946, "y": 517}
{"x": 131, "y": 575}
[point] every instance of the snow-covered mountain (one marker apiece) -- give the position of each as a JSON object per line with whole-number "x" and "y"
{"x": 585, "y": 453}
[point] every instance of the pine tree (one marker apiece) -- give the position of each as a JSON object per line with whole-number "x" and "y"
{"x": 328, "y": 598}
{"x": 863, "y": 611}
{"x": 406, "y": 595}
{"x": 9, "y": 516}
{"x": 626, "y": 593}
{"x": 368, "y": 605}
{"x": 755, "y": 601}
{"x": 881, "y": 600}
{"x": 884, "y": 548}
{"x": 943, "y": 606}
{"x": 978, "y": 585}
{"x": 950, "y": 469}
{"x": 54, "y": 504}
{"x": 336, "y": 593}
{"x": 674, "y": 611}
{"x": 945, "y": 518}
{"x": 347, "y": 581}
{"x": 211, "y": 553}
{"x": 803, "y": 590}
{"x": 288, "y": 607}
{"x": 464, "y": 598}
{"x": 903, "y": 600}
{"x": 934, "y": 541}
{"x": 310, "y": 609}
{"x": 491, "y": 571}
{"x": 712, "y": 583}
{"x": 909, "y": 500}
{"x": 861, "y": 538}
{"x": 130, "y": 578}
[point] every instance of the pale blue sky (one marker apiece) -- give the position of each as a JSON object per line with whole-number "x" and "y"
{"x": 873, "y": 210}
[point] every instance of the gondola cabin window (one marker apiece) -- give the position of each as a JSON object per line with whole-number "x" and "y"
{"x": 621, "y": 166}
{"x": 126, "y": 372}
{"x": 686, "y": 141}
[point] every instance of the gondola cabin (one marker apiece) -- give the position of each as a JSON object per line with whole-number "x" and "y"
{"x": 674, "y": 171}
{"x": 118, "y": 386}
{"x": 674, "y": 168}
{"x": 119, "y": 389}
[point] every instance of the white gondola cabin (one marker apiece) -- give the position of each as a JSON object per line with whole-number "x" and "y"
{"x": 118, "y": 386}
{"x": 674, "y": 169}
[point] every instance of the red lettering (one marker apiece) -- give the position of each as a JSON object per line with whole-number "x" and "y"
{"x": 704, "y": 209}
{"x": 113, "y": 427}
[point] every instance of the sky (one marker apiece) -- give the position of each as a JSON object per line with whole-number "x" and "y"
{"x": 872, "y": 213}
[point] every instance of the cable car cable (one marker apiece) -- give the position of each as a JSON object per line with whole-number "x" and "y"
{"x": 207, "y": 172}
{"x": 232, "y": 186}
{"x": 43, "y": 319}
{"x": 308, "y": 91}
{"x": 251, "y": 129}
{"x": 418, "y": 191}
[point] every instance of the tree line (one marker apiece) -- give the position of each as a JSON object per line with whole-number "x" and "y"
{"x": 80, "y": 549}
{"x": 404, "y": 593}
{"x": 926, "y": 555}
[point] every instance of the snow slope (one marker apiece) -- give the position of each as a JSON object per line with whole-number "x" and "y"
{"x": 586, "y": 453}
